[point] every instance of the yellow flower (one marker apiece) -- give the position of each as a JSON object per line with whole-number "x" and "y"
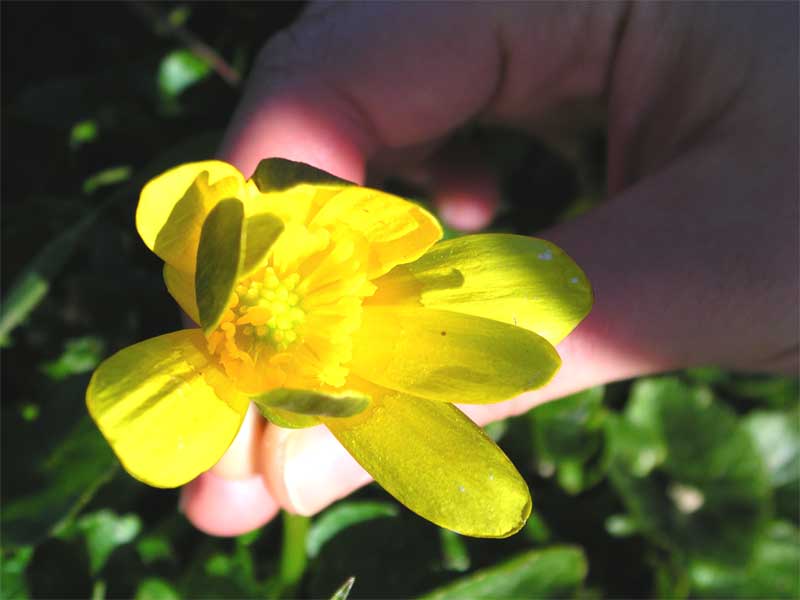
{"x": 325, "y": 302}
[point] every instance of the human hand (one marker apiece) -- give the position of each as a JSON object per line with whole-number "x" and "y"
{"x": 694, "y": 257}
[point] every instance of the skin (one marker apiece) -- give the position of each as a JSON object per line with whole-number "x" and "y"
{"x": 693, "y": 258}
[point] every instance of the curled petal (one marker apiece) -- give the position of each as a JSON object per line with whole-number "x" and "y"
{"x": 173, "y": 206}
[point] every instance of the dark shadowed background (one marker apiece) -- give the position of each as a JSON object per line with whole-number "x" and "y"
{"x": 675, "y": 486}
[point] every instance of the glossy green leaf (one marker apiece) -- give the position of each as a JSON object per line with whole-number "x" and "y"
{"x": 278, "y": 174}
{"x": 104, "y": 531}
{"x": 777, "y": 437}
{"x": 554, "y": 572}
{"x": 155, "y": 548}
{"x": 12, "y": 573}
{"x": 80, "y": 355}
{"x": 155, "y": 588}
{"x": 219, "y": 260}
{"x": 33, "y": 284}
{"x": 569, "y": 434}
{"x": 70, "y": 476}
{"x": 709, "y": 496}
{"x": 772, "y": 573}
{"x": 83, "y": 132}
{"x": 340, "y": 517}
{"x": 180, "y": 70}
{"x": 313, "y": 403}
{"x": 107, "y": 177}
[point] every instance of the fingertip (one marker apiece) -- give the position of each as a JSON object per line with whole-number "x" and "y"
{"x": 307, "y": 469}
{"x": 224, "y": 507}
{"x": 467, "y": 190}
{"x": 465, "y": 213}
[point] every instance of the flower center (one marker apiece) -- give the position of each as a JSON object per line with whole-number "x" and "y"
{"x": 290, "y": 323}
{"x": 269, "y": 309}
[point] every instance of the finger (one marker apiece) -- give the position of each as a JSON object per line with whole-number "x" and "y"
{"x": 349, "y": 82}
{"x": 669, "y": 293}
{"x": 240, "y": 461}
{"x": 466, "y": 191}
{"x": 227, "y": 507}
{"x": 308, "y": 469}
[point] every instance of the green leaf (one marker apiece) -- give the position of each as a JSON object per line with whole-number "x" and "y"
{"x": 308, "y": 402}
{"x": 773, "y": 572}
{"x": 33, "y": 284}
{"x": 104, "y": 531}
{"x": 219, "y": 259}
{"x": 30, "y": 288}
{"x": 83, "y": 133}
{"x": 569, "y": 434}
{"x": 342, "y": 516}
{"x": 344, "y": 591}
{"x": 777, "y": 392}
{"x": 155, "y": 588}
{"x": 80, "y": 355}
{"x": 180, "y": 70}
{"x": 155, "y": 548}
{"x": 555, "y": 572}
{"x": 106, "y": 177}
{"x": 12, "y": 573}
{"x": 278, "y": 174}
{"x": 777, "y": 438}
{"x": 709, "y": 495}
{"x": 70, "y": 476}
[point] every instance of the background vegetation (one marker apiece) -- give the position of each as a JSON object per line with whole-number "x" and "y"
{"x": 675, "y": 486}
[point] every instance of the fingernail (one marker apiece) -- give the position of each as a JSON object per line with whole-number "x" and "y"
{"x": 307, "y": 469}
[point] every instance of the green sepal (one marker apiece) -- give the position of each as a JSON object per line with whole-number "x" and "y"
{"x": 313, "y": 403}
{"x": 278, "y": 174}
{"x": 219, "y": 261}
{"x": 261, "y": 231}
{"x": 286, "y": 419}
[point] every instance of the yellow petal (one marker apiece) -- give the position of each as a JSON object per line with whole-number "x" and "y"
{"x": 167, "y": 410}
{"x": 514, "y": 279}
{"x": 448, "y": 356}
{"x": 398, "y": 231}
{"x": 180, "y": 285}
{"x": 173, "y": 206}
{"x": 220, "y": 255}
{"x": 438, "y": 463}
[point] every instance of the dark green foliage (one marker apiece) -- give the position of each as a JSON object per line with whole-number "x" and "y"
{"x": 687, "y": 485}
